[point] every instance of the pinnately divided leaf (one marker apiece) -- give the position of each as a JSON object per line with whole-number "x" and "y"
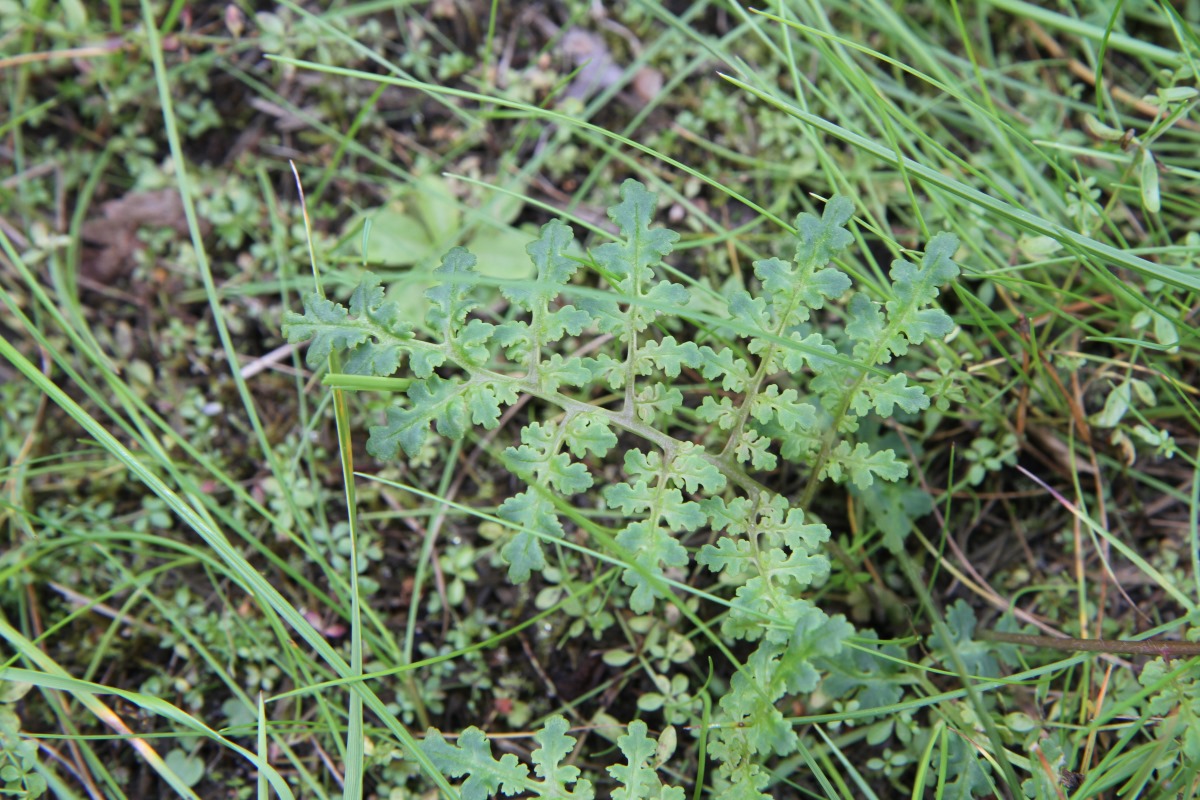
{"x": 664, "y": 433}
{"x": 637, "y": 777}
{"x": 556, "y": 745}
{"x": 540, "y": 462}
{"x": 554, "y": 268}
{"x": 472, "y": 756}
{"x": 819, "y": 240}
{"x": 589, "y": 432}
{"x": 370, "y": 329}
{"x": 534, "y": 515}
{"x": 651, "y": 548}
{"x": 690, "y": 469}
{"x": 436, "y": 400}
{"x": 733, "y": 372}
{"x": 862, "y": 465}
{"x": 916, "y": 287}
{"x": 326, "y": 324}
{"x": 452, "y": 298}
{"x": 630, "y": 260}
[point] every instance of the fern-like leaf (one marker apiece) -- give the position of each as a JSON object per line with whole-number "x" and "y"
{"x": 533, "y": 513}
{"x": 652, "y": 548}
{"x": 554, "y": 268}
{"x": 472, "y": 756}
{"x": 452, "y": 298}
{"x": 630, "y": 261}
{"x": 638, "y": 778}
{"x": 916, "y": 287}
{"x": 436, "y": 400}
{"x": 370, "y": 329}
{"x": 819, "y": 240}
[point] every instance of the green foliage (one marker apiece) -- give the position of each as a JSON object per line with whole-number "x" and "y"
{"x": 638, "y": 777}
{"x": 472, "y": 756}
{"x": 977, "y": 657}
{"x": 19, "y": 775}
{"x": 786, "y": 390}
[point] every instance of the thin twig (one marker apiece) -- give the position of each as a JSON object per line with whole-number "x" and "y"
{"x": 1146, "y": 647}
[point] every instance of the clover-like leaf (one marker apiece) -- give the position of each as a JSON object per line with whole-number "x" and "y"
{"x": 894, "y": 508}
{"x": 977, "y": 657}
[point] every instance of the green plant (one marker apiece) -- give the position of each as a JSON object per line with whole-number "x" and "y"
{"x": 19, "y": 775}
{"x": 771, "y": 385}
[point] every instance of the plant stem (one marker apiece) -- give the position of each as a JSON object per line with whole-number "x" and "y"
{"x": 1149, "y": 647}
